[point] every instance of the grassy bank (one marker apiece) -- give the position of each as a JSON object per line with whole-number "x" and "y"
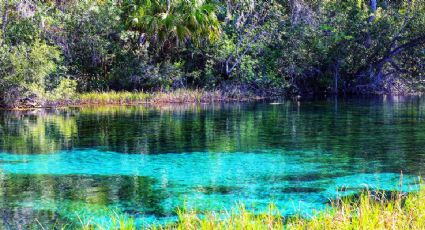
{"x": 370, "y": 210}
{"x": 170, "y": 97}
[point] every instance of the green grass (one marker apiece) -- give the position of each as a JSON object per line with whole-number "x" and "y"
{"x": 176, "y": 96}
{"x": 113, "y": 97}
{"x": 368, "y": 211}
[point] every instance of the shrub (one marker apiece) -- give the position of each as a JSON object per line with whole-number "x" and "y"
{"x": 24, "y": 70}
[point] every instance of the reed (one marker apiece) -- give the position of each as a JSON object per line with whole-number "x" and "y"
{"x": 370, "y": 210}
{"x": 160, "y": 97}
{"x": 113, "y": 98}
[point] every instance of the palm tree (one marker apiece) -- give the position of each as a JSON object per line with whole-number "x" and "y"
{"x": 173, "y": 22}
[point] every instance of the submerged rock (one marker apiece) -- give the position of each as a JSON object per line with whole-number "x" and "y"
{"x": 219, "y": 189}
{"x": 302, "y": 190}
{"x": 306, "y": 177}
{"x": 29, "y": 218}
{"x": 13, "y": 161}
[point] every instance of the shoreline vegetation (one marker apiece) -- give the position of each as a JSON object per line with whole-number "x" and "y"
{"x": 369, "y": 210}
{"x": 179, "y": 96}
{"x": 171, "y": 97}
{"x": 175, "y": 97}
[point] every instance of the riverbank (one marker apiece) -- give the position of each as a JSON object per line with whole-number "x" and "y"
{"x": 170, "y": 97}
{"x": 370, "y": 210}
{"x": 162, "y": 98}
{"x": 180, "y": 96}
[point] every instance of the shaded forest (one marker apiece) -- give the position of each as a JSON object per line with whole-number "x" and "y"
{"x": 52, "y": 50}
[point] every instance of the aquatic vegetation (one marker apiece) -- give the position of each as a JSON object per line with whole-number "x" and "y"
{"x": 368, "y": 211}
{"x": 113, "y": 97}
{"x": 182, "y": 96}
{"x": 175, "y": 96}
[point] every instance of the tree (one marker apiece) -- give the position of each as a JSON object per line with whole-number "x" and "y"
{"x": 169, "y": 23}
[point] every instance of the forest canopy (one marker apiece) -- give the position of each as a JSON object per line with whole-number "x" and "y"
{"x": 49, "y": 50}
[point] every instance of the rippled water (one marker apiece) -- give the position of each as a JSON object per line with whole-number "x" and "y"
{"x": 145, "y": 162}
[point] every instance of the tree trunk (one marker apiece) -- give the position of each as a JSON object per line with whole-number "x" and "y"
{"x": 4, "y": 18}
{"x": 373, "y": 7}
{"x": 229, "y": 11}
{"x": 168, "y": 7}
{"x": 336, "y": 77}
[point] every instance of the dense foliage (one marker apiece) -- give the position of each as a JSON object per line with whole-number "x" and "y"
{"x": 50, "y": 49}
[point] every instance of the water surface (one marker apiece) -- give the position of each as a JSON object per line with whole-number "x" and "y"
{"x": 145, "y": 162}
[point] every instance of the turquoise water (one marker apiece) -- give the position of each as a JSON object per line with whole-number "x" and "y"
{"x": 144, "y": 162}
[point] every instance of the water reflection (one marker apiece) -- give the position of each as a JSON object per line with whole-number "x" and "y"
{"x": 36, "y": 131}
{"x": 373, "y": 128}
{"x": 59, "y": 199}
{"x": 146, "y": 161}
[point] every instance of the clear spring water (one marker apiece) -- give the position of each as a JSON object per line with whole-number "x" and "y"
{"x": 57, "y": 166}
